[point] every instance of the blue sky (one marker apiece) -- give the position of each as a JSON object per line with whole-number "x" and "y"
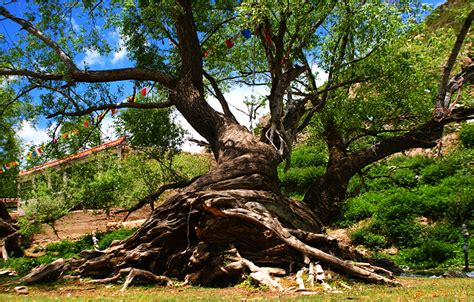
{"x": 94, "y": 60}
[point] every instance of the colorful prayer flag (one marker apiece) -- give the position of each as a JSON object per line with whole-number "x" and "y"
{"x": 86, "y": 124}
{"x": 246, "y": 33}
{"x": 229, "y": 43}
{"x": 132, "y": 99}
{"x": 144, "y": 91}
{"x": 65, "y": 135}
{"x": 205, "y": 54}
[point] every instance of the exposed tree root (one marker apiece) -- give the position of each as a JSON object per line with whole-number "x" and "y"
{"x": 50, "y": 271}
{"x": 132, "y": 273}
{"x": 226, "y": 225}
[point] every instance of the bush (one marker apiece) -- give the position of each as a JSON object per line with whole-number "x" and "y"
{"x": 395, "y": 218}
{"x": 21, "y": 265}
{"x": 368, "y": 238}
{"x": 306, "y": 156}
{"x": 361, "y": 207}
{"x": 431, "y": 253}
{"x": 467, "y": 135}
{"x": 106, "y": 239}
{"x": 298, "y": 179}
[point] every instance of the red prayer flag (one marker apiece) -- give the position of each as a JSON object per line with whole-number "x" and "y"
{"x": 65, "y": 135}
{"x": 205, "y": 54}
{"x": 229, "y": 43}
{"x": 86, "y": 124}
{"x": 144, "y": 91}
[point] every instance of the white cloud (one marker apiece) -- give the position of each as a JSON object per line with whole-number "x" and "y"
{"x": 31, "y": 134}
{"x": 121, "y": 52}
{"x": 6, "y": 80}
{"x": 75, "y": 26}
{"x": 119, "y": 55}
{"x": 107, "y": 128}
{"x": 321, "y": 75}
{"x": 92, "y": 57}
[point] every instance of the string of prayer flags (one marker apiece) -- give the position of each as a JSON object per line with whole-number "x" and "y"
{"x": 92, "y": 121}
{"x": 229, "y": 42}
{"x": 4, "y": 168}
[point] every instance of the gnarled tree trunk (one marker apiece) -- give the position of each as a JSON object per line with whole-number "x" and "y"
{"x": 225, "y": 224}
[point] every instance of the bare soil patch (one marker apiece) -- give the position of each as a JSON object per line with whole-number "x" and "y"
{"x": 79, "y": 223}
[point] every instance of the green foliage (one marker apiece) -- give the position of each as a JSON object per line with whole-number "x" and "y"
{"x": 431, "y": 253}
{"x": 106, "y": 239}
{"x": 153, "y": 129}
{"x": 361, "y": 207}
{"x": 307, "y": 164}
{"x": 64, "y": 249}
{"x": 424, "y": 218}
{"x": 103, "y": 181}
{"x": 467, "y": 135}
{"x": 368, "y": 238}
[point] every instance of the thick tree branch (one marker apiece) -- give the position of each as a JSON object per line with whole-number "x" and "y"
{"x": 160, "y": 105}
{"x": 98, "y": 76}
{"x": 219, "y": 96}
{"x": 424, "y": 136}
{"x": 26, "y": 25}
{"x": 441, "y": 101}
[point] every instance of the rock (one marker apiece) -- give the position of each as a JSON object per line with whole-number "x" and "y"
{"x": 454, "y": 274}
{"x": 21, "y": 290}
{"x": 470, "y": 274}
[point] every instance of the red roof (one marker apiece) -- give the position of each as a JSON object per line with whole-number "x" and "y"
{"x": 6, "y": 200}
{"x": 77, "y": 155}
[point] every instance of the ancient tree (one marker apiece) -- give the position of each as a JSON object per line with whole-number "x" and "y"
{"x": 233, "y": 220}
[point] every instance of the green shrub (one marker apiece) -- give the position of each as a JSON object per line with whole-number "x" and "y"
{"x": 395, "y": 218}
{"x": 106, "y": 239}
{"x": 298, "y": 179}
{"x": 405, "y": 178}
{"x": 431, "y": 253}
{"x": 305, "y": 156}
{"x": 368, "y": 238}
{"x": 22, "y": 265}
{"x": 467, "y": 135}
{"x": 434, "y": 173}
{"x": 445, "y": 232}
{"x": 361, "y": 207}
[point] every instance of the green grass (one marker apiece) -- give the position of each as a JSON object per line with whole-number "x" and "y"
{"x": 414, "y": 289}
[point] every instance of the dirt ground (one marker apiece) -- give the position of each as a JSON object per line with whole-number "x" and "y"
{"x": 80, "y": 223}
